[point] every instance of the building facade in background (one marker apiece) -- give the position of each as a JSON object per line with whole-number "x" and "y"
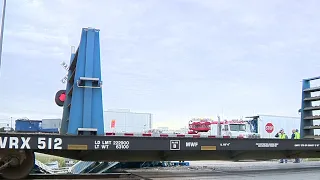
{"x": 123, "y": 120}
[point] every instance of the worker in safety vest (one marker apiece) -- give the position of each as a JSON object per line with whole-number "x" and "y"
{"x": 282, "y": 135}
{"x": 295, "y": 135}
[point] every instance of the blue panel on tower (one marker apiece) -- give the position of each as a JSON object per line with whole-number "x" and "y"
{"x": 83, "y": 109}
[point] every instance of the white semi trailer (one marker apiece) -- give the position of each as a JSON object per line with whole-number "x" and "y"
{"x": 268, "y": 125}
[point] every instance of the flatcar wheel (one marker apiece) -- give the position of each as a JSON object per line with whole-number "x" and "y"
{"x": 15, "y": 170}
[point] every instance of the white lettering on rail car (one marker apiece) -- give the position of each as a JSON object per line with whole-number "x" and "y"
{"x": 224, "y": 144}
{"x": 107, "y": 144}
{"x": 306, "y": 145}
{"x": 121, "y": 144}
{"x": 24, "y": 143}
{"x": 267, "y": 145}
{"x": 49, "y": 143}
{"x": 13, "y": 142}
{"x": 102, "y": 144}
{"x": 191, "y": 144}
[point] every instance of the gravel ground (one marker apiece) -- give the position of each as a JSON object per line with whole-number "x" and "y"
{"x": 235, "y": 171}
{"x": 250, "y": 166}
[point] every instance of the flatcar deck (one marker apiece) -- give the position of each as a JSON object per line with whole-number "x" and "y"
{"x": 126, "y": 148}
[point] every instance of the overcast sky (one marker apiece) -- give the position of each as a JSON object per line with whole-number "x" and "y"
{"x": 176, "y": 59}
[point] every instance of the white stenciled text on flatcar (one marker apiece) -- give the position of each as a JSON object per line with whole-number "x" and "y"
{"x": 106, "y": 144}
{"x": 24, "y": 143}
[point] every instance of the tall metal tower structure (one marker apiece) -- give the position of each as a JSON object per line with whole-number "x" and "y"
{"x": 308, "y": 119}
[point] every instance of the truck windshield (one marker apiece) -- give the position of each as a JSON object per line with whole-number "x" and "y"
{"x": 237, "y": 127}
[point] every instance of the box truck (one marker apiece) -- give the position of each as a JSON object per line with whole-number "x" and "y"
{"x": 269, "y": 125}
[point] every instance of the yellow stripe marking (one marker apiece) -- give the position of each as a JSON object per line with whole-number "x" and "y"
{"x": 77, "y": 147}
{"x": 208, "y": 148}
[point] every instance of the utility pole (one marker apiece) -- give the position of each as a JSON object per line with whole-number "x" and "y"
{"x": 2, "y": 28}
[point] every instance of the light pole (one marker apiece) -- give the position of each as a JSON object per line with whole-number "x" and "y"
{"x": 2, "y": 27}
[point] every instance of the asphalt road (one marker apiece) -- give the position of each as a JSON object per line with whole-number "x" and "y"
{"x": 235, "y": 171}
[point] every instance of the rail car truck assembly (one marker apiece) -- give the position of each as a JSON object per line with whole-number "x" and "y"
{"x": 82, "y": 135}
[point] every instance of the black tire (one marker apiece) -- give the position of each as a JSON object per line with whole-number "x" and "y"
{"x": 22, "y": 171}
{"x": 57, "y": 100}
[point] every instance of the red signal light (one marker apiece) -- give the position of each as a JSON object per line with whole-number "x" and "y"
{"x": 60, "y": 97}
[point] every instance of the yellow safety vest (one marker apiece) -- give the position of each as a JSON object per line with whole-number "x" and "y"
{"x": 282, "y": 136}
{"x": 296, "y": 135}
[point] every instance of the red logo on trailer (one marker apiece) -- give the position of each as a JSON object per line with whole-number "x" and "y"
{"x": 269, "y": 127}
{"x": 113, "y": 123}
